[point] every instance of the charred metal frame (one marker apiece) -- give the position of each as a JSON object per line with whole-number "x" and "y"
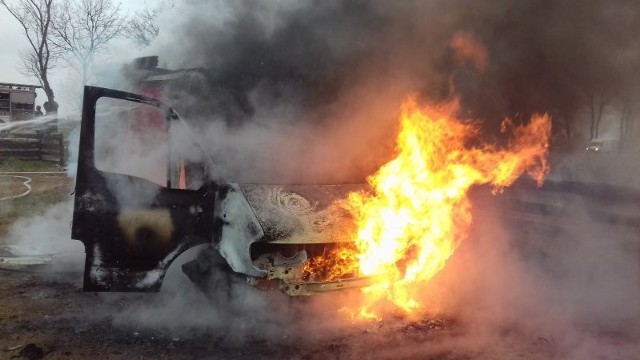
{"x": 129, "y": 248}
{"x": 130, "y": 245}
{"x": 252, "y": 227}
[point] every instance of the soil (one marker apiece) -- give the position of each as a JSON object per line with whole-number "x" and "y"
{"x": 46, "y": 315}
{"x": 50, "y": 317}
{"x": 46, "y": 189}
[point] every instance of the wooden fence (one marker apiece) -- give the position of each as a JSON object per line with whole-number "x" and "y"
{"x": 33, "y": 146}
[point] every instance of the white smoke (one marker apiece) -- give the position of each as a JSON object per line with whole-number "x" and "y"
{"x": 511, "y": 291}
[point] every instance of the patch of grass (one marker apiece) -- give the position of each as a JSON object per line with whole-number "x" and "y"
{"x": 47, "y": 190}
{"x": 7, "y": 165}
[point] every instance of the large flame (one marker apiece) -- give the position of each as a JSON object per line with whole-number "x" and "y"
{"x": 418, "y": 211}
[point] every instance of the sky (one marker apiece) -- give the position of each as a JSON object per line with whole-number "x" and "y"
{"x": 13, "y": 42}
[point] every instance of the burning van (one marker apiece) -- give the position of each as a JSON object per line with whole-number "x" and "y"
{"x": 140, "y": 202}
{"x": 137, "y": 208}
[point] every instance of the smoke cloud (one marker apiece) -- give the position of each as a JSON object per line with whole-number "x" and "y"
{"x": 324, "y": 80}
{"x": 309, "y": 92}
{"x": 302, "y": 91}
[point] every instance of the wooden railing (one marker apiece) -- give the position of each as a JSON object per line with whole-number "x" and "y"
{"x": 33, "y": 146}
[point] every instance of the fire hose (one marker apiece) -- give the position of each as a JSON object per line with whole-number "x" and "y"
{"x": 25, "y": 183}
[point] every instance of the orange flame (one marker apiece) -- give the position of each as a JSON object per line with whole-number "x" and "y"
{"x": 419, "y": 212}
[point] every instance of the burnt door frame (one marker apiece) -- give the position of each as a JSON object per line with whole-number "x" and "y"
{"x": 129, "y": 248}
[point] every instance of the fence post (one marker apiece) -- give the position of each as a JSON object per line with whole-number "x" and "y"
{"x": 61, "y": 149}
{"x": 40, "y": 145}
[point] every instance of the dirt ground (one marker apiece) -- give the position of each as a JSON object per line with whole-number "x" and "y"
{"x": 47, "y": 188}
{"x": 46, "y": 315}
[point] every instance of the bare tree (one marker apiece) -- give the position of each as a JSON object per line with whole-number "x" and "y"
{"x": 83, "y": 28}
{"x": 36, "y": 18}
{"x": 597, "y": 104}
{"x": 142, "y": 27}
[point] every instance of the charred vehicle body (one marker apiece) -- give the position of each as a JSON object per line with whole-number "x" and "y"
{"x": 140, "y": 202}
{"x": 138, "y": 206}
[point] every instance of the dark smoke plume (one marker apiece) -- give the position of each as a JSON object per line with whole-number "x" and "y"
{"x": 299, "y": 71}
{"x": 543, "y": 56}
